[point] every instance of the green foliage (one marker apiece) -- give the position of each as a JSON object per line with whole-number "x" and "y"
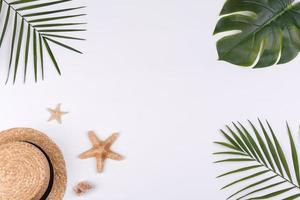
{"x": 265, "y": 172}
{"x": 36, "y": 24}
{"x": 268, "y": 30}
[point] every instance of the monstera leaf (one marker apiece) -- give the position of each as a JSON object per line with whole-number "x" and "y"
{"x": 264, "y": 171}
{"x": 36, "y": 24}
{"x": 265, "y": 32}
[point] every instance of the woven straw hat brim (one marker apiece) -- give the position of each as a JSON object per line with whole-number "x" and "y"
{"x": 48, "y": 147}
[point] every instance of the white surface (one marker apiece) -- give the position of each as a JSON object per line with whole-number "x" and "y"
{"x": 150, "y": 71}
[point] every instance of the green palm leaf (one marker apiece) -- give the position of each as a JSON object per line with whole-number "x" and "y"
{"x": 34, "y": 31}
{"x": 265, "y": 29}
{"x": 264, "y": 163}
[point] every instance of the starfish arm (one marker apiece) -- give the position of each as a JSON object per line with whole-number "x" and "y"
{"x": 58, "y": 106}
{"x": 109, "y": 141}
{"x": 93, "y": 138}
{"x": 100, "y": 164}
{"x": 87, "y": 154}
{"x": 50, "y": 118}
{"x": 114, "y": 156}
{"x": 50, "y": 110}
{"x": 58, "y": 119}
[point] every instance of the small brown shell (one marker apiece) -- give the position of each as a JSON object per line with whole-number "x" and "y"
{"x": 82, "y": 187}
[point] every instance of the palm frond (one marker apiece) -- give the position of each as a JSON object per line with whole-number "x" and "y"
{"x": 37, "y": 24}
{"x": 266, "y": 172}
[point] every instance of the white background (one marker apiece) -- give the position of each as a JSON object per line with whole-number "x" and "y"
{"x": 150, "y": 71}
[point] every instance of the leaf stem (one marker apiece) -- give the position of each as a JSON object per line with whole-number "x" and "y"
{"x": 11, "y": 7}
{"x": 287, "y": 180}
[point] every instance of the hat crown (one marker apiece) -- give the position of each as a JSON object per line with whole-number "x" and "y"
{"x": 24, "y": 171}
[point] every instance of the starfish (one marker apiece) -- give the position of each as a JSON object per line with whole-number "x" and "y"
{"x": 101, "y": 150}
{"x": 56, "y": 113}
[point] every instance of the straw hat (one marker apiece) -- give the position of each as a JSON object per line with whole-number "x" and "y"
{"x": 31, "y": 166}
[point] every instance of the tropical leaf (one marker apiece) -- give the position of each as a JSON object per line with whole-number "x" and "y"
{"x": 265, "y": 171}
{"x": 263, "y": 32}
{"x": 36, "y": 24}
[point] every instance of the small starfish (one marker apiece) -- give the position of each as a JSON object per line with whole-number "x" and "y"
{"x": 101, "y": 150}
{"x": 56, "y": 113}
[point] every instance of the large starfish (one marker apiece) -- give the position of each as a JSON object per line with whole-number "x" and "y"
{"x": 101, "y": 150}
